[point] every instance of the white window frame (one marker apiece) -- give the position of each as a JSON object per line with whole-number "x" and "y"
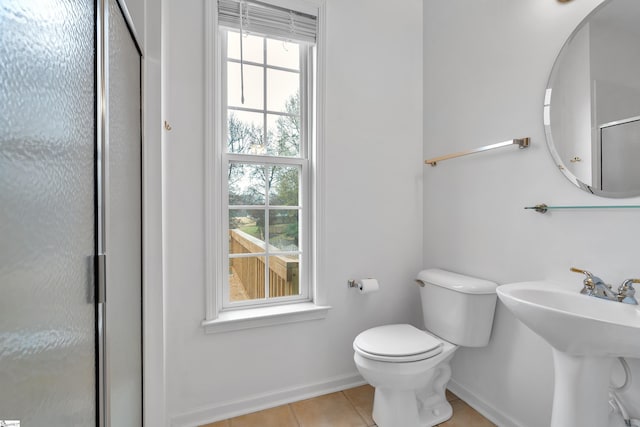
{"x": 310, "y": 305}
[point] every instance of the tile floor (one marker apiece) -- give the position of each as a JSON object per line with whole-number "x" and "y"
{"x": 348, "y": 408}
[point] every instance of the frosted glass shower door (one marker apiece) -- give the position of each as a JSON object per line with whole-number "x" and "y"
{"x": 47, "y": 212}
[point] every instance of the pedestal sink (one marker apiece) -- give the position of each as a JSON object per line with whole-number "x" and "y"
{"x": 586, "y": 335}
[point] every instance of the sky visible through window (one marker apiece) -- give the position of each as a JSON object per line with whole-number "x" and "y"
{"x": 283, "y": 81}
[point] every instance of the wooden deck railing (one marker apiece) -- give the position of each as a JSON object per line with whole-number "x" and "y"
{"x": 283, "y": 270}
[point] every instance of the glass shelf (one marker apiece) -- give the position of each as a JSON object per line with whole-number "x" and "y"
{"x": 543, "y": 208}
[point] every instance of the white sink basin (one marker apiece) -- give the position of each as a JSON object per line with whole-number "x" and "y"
{"x": 573, "y": 323}
{"x": 586, "y": 334}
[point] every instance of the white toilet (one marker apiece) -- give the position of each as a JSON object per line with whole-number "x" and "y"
{"x": 408, "y": 367}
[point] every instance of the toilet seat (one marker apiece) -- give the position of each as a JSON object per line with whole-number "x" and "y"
{"x": 397, "y": 343}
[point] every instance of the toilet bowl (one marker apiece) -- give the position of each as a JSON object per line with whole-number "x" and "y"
{"x": 410, "y": 387}
{"x": 409, "y": 367}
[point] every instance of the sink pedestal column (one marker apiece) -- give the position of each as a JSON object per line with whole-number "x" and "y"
{"x": 581, "y": 391}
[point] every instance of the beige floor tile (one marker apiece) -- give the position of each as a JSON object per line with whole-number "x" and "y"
{"x": 350, "y": 408}
{"x": 362, "y": 399}
{"x": 465, "y": 416}
{"x": 280, "y": 416}
{"x": 224, "y": 423}
{"x": 330, "y": 410}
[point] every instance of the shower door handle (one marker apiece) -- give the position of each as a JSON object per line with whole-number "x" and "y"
{"x": 101, "y": 268}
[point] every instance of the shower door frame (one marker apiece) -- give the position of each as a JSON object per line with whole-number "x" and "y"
{"x": 102, "y": 146}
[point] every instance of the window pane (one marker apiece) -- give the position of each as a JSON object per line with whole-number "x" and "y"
{"x": 283, "y": 135}
{"x": 245, "y": 132}
{"x": 284, "y": 186}
{"x": 247, "y": 184}
{"x": 283, "y": 229}
{"x": 284, "y": 275}
{"x": 246, "y": 231}
{"x": 246, "y": 278}
{"x": 283, "y": 54}
{"x": 252, "y": 47}
{"x": 283, "y": 88}
{"x": 253, "y": 86}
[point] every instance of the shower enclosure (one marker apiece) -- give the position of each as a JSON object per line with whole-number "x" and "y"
{"x": 70, "y": 215}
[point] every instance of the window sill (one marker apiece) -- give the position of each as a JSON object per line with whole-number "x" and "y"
{"x": 237, "y": 320}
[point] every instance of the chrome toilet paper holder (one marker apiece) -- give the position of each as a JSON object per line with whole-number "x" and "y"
{"x": 364, "y": 286}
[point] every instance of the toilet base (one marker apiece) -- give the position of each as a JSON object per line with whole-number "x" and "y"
{"x": 424, "y": 407}
{"x": 390, "y": 409}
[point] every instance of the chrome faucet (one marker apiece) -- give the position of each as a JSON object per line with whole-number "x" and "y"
{"x": 626, "y": 292}
{"x": 595, "y": 286}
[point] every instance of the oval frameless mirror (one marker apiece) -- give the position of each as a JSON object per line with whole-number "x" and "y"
{"x": 592, "y": 102}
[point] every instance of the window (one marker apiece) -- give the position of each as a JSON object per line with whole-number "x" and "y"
{"x": 265, "y": 156}
{"x": 263, "y": 169}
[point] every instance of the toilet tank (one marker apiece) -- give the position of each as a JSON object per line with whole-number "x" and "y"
{"x": 457, "y": 308}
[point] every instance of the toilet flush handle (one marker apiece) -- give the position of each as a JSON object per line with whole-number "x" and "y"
{"x": 420, "y": 283}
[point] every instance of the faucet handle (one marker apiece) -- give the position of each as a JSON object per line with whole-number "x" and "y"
{"x": 626, "y": 291}
{"x": 591, "y": 279}
{"x": 585, "y": 272}
{"x": 589, "y": 282}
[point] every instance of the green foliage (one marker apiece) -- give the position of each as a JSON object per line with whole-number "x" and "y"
{"x": 248, "y": 183}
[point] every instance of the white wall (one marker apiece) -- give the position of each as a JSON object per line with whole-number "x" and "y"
{"x": 486, "y": 64}
{"x": 373, "y": 213}
{"x": 616, "y": 71}
{"x": 570, "y": 114}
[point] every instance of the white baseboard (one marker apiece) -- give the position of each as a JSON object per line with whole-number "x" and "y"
{"x": 258, "y": 402}
{"x": 491, "y": 413}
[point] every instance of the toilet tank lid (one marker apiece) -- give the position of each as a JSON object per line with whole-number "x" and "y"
{"x": 457, "y": 282}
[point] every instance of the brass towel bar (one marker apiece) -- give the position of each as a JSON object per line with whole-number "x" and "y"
{"x": 521, "y": 143}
